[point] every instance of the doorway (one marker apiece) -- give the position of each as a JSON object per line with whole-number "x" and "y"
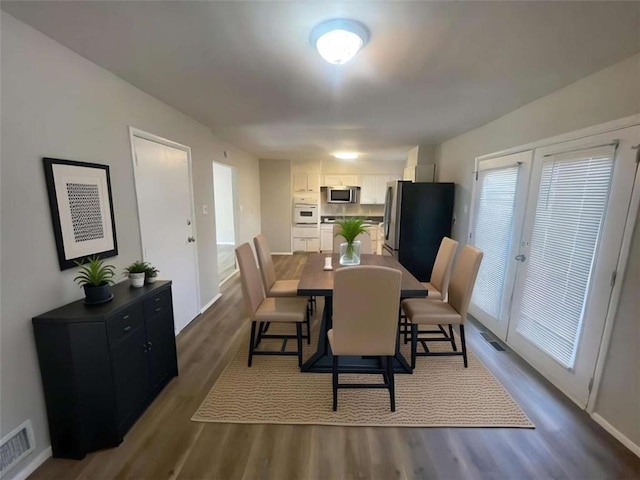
{"x": 162, "y": 172}
{"x": 551, "y": 222}
{"x": 223, "y": 192}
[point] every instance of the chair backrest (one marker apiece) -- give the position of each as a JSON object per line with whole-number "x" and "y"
{"x": 464, "y": 278}
{"x": 267, "y": 270}
{"x": 365, "y": 240}
{"x": 252, "y": 290}
{"x": 366, "y": 300}
{"x": 442, "y": 267}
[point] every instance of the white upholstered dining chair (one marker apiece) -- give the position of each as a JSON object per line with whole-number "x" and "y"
{"x": 365, "y": 323}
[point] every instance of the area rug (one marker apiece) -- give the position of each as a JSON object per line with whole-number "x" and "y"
{"x": 439, "y": 393}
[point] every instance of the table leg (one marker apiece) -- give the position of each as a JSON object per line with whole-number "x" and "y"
{"x": 322, "y": 352}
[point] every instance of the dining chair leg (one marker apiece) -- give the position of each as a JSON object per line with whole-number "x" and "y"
{"x": 391, "y": 381}
{"x": 414, "y": 344}
{"x": 308, "y": 322}
{"x": 453, "y": 339}
{"x": 299, "y": 338}
{"x": 253, "y": 332}
{"x": 464, "y": 345}
{"x": 335, "y": 383}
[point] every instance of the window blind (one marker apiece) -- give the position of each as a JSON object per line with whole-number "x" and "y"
{"x": 492, "y": 234}
{"x": 571, "y": 205}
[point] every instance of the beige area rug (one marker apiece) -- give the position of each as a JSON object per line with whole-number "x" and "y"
{"x": 440, "y": 393}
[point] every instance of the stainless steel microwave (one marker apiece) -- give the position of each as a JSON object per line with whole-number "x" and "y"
{"x": 342, "y": 194}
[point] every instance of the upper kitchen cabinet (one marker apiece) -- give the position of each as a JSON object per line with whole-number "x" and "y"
{"x": 333, "y": 180}
{"x": 306, "y": 182}
{"x": 374, "y": 187}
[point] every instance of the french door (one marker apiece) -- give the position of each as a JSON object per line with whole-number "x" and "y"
{"x": 552, "y": 281}
{"x": 499, "y": 203}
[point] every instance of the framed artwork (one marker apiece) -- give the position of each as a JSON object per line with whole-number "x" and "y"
{"x": 81, "y": 210}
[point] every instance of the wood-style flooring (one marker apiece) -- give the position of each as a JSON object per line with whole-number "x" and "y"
{"x": 226, "y": 261}
{"x": 164, "y": 443}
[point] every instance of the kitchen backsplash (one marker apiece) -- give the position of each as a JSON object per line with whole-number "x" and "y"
{"x": 351, "y": 209}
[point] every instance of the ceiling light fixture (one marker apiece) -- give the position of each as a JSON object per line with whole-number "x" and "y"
{"x": 346, "y": 155}
{"x": 339, "y": 39}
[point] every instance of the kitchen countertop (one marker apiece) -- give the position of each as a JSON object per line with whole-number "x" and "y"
{"x": 330, "y": 219}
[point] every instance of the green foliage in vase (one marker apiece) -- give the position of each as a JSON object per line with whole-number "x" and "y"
{"x": 137, "y": 267}
{"x": 94, "y": 272}
{"x": 351, "y": 227}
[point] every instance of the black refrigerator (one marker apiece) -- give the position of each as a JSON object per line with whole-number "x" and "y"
{"x": 416, "y": 217}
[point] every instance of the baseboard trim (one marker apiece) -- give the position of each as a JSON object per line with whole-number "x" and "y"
{"x": 229, "y": 277}
{"x": 33, "y": 464}
{"x": 281, "y": 253}
{"x": 208, "y": 305}
{"x": 621, "y": 437}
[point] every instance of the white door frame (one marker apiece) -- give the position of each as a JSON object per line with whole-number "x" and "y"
{"x": 625, "y": 249}
{"x": 524, "y": 159}
{"x": 135, "y": 132}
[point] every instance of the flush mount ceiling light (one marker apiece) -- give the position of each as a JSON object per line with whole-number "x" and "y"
{"x": 346, "y": 155}
{"x": 338, "y": 40}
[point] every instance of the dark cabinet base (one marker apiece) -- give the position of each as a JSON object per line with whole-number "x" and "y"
{"x": 102, "y": 366}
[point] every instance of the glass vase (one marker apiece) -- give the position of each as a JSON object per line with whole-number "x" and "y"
{"x": 350, "y": 253}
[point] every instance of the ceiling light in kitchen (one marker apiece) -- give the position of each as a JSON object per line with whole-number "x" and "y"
{"x": 339, "y": 40}
{"x": 346, "y": 155}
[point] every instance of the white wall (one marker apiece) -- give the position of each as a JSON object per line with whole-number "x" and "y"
{"x": 275, "y": 202}
{"x": 223, "y": 192}
{"x": 57, "y": 104}
{"x": 607, "y": 95}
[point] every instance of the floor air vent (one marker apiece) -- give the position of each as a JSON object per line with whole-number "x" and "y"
{"x": 15, "y": 446}
{"x": 493, "y": 341}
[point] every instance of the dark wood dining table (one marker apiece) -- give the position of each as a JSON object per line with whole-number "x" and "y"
{"x": 315, "y": 281}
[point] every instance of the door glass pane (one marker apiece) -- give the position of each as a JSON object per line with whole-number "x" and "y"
{"x": 492, "y": 235}
{"x": 571, "y": 203}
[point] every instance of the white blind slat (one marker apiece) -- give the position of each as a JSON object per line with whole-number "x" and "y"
{"x": 492, "y": 235}
{"x": 572, "y": 200}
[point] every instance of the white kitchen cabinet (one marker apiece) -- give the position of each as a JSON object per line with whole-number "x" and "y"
{"x": 368, "y": 192}
{"x": 326, "y": 238}
{"x": 305, "y": 239}
{"x": 335, "y": 180}
{"x": 306, "y": 182}
{"x": 374, "y": 188}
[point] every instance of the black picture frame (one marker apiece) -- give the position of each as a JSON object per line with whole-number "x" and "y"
{"x": 81, "y": 212}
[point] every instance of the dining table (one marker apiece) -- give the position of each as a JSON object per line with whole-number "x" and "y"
{"x": 316, "y": 281}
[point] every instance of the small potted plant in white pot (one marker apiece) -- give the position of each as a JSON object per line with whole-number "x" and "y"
{"x": 136, "y": 273}
{"x": 151, "y": 274}
{"x": 96, "y": 279}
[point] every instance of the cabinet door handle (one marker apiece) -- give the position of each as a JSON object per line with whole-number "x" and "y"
{"x": 144, "y": 347}
{"x": 158, "y": 309}
{"x": 149, "y": 345}
{"x": 157, "y": 299}
{"x": 127, "y": 328}
{"x": 125, "y": 317}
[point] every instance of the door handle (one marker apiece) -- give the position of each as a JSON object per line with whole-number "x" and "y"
{"x": 521, "y": 258}
{"x": 191, "y": 239}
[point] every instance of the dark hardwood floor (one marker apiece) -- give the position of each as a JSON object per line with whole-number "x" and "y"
{"x": 164, "y": 443}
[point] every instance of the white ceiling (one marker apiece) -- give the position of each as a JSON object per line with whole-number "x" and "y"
{"x": 431, "y": 70}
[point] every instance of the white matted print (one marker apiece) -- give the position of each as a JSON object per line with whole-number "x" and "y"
{"x": 82, "y": 210}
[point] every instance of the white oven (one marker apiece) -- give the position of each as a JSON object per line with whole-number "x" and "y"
{"x": 305, "y": 213}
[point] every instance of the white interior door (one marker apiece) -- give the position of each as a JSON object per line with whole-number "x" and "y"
{"x": 165, "y": 208}
{"x": 576, "y": 213}
{"x": 500, "y": 193}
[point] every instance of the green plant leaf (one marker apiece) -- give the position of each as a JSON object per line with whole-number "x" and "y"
{"x": 351, "y": 227}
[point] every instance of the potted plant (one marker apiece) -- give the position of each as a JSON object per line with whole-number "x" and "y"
{"x": 96, "y": 279}
{"x": 350, "y": 229}
{"x": 136, "y": 273}
{"x": 151, "y": 274}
